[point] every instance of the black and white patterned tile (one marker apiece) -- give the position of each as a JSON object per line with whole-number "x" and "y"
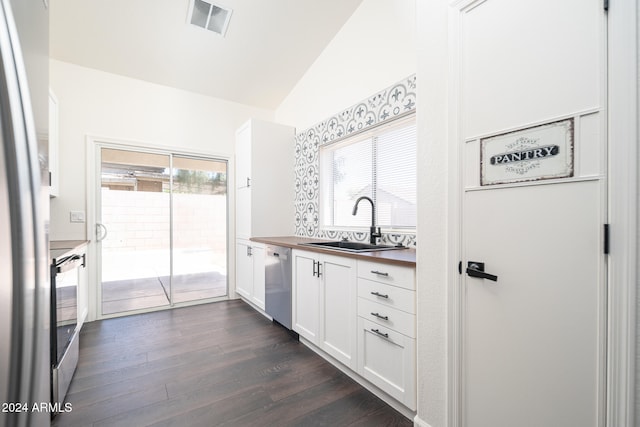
{"x": 393, "y": 102}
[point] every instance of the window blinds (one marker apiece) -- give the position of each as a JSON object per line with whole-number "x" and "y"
{"x": 380, "y": 165}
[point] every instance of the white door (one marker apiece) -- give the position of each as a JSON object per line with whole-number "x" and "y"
{"x": 532, "y": 135}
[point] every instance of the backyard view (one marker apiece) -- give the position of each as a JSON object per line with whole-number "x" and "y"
{"x": 166, "y": 230}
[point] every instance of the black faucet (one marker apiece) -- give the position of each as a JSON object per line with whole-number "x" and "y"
{"x": 374, "y": 231}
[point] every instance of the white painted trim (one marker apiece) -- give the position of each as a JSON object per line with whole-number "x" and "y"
{"x": 93, "y": 279}
{"x": 623, "y": 210}
{"x": 576, "y": 115}
{"x": 584, "y": 178}
{"x": 419, "y": 422}
{"x": 455, "y": 176}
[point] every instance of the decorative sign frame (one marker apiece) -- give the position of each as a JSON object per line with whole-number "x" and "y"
{"x": 532, "y": 154}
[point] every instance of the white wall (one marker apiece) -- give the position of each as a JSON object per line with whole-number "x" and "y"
{"x": 373, "y": 50}
{"x": 433, "y": 212}
{"x": 107, "y": 105}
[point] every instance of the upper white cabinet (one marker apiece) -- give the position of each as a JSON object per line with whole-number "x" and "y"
{"x": 53, "y": 145}
{"x": 264, "y": 179}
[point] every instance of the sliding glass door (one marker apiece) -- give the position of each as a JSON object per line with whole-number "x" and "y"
{"x": 162, "y": 229}
{"x": 199, "y": 229}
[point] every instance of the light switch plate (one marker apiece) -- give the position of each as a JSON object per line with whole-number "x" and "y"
{"x": 76, "y": 216}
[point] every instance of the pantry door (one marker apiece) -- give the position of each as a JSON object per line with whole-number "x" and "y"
{"x": 532, "y": 140}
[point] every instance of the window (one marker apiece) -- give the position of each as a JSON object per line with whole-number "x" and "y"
{"x": 380, "y": 164}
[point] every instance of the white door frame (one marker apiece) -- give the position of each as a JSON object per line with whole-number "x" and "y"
{"x": 622, "y": 87}
{"x": 623, "y": 209}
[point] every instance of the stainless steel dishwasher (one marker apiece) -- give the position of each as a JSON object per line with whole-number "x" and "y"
{"x": 278, "y": 284}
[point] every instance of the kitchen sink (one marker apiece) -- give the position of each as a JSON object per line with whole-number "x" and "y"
{"x": 352, "y": 246}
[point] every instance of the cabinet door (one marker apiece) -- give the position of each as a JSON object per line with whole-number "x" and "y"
{"x": 387, "y": 359}
{"x": 53, "y": 145}
{"x": 243, "y": 213}
{"x": 244, "y": 270}
{"x": 306, "y": 296}
{"x": 243, "y": 157}
{"x": 258, "y": 276}
{"x": 338, "y": 315}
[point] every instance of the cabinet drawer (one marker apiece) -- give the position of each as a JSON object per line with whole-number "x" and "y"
{"x": 387, "y": 273}
{"x": 388, "y": 317}
{"x": 392, "y": 296}
{"x": 387, "y": 359}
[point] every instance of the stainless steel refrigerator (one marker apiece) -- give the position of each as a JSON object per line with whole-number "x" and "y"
{"x": 24, "y": 214}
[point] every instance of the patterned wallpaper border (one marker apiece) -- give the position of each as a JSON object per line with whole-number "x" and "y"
{"x": 394, "y": 102}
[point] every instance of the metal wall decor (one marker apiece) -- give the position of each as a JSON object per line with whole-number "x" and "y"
{"x": 391, "y": 103}
{"x": 532, "y": 154}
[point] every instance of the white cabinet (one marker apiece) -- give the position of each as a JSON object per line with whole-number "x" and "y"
{"x": 264, "y": 184}
{"x": 387, "y": 329}
{"x": 53, "y": 145}
{"x": 387, "y": 359}
{"x": 250, "y": 272}
{"x": 258, "y": 295}
{"x": 324, "y": 303}
{"x": 306, "y": 296}
{"x": 83, "y": 288}
{"x": 264, "y": 180}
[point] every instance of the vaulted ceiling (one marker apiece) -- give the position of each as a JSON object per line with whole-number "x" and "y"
{"x": 267, "y": 48}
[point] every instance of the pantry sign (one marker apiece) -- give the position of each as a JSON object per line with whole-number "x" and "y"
{"x": 531, "y": 154}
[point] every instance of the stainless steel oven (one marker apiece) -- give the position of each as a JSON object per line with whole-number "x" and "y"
{"x": 64, "y": 322}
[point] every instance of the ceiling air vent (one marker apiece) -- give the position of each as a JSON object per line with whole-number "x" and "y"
{"x": 209, "y": 16}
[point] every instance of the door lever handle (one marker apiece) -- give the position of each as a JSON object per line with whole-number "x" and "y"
{"x": 476, "y": 269}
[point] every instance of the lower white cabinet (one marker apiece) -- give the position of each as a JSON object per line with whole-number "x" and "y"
{"x": 362, "y": 314}
{"x": 324, "y": 303}
{"x": 250, "y": 272}
{"x": 387, "y": 329}
{"x": 306, "y": 296}
{"x": 387, "y": 359}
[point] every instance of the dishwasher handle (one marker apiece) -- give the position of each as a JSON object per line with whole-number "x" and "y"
{"x": 278, "y": 252}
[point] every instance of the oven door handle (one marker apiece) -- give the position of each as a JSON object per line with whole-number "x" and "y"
{"x": 72, "y": 262}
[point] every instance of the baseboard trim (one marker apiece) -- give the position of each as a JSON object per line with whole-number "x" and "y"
{"x": 418, "y": 422}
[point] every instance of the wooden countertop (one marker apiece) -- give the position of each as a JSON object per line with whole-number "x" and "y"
{"x": 67, "y": 244}
{"x": 404, "y": 257}
{"x": 61, "y": 248}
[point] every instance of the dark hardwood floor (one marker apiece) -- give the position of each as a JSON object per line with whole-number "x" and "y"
{"x": 219, "y": 364}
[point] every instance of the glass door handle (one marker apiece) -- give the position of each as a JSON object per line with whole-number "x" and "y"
{"x": 100, "y": 236}
{"x": 476, "y": 269}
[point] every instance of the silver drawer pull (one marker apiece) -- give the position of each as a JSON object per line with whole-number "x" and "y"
{"x": 377, "y": 331}
{"x": 379, "y": 316}
{"x": 380, "y": 273}
{"x": 378, "y": 294}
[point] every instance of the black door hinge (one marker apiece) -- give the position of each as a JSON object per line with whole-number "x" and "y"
{"x": 605, "y": 4}
{"x": 460, "y": 267}
{"x": 606, "y": 239}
